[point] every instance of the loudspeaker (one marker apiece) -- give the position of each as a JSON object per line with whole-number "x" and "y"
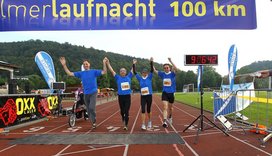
{"x": 27, "y": 89}
{"x": 12, "y": 86}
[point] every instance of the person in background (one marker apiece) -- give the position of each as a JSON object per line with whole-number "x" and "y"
{"x": 123, "y": 81}
{"x": 145, "y": 81}
{"x": 264, "y": 73}
{"x": 89, "y": 83}
{"x": 168, "y": 77}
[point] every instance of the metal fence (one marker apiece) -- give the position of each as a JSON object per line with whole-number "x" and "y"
{"x": 259, "y": 109}
{"x": 250, "y": 109}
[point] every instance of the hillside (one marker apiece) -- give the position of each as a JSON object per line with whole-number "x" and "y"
{"x": 255, "y": 66}
{"x": 22, "y": 54}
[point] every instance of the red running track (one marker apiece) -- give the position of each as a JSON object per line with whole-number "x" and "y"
{"x": 210, "y": 142}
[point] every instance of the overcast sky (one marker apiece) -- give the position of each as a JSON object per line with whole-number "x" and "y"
{"x": 253, "y": 45}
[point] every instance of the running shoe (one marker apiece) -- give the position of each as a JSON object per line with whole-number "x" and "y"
{"x": 170, "y": 120}
{"x": 164, "y": 124}
{"x": 125, "y": 128}
{"x": 86, "y": 116}
{"x": 94, "y": 125}
{"x": 143, "y": 127}
{"x": 149, "y": 125}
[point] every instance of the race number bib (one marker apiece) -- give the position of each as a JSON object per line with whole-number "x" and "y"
{"x": 145, "y": 91}
{"x": 167, "y": 82}
{"x": 125, "y": 86}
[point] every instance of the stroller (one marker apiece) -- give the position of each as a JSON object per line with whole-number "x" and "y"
{"x": 78, "y": 109}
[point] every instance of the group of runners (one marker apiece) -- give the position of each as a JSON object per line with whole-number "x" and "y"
{"x": 89, "y": 82}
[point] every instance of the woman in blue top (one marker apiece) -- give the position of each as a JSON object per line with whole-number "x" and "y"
{"x": 89, "y": 82}
{"x": 168, "y": 77}
{"x": 145, "y": 81}
{"x": 124, "y": 92}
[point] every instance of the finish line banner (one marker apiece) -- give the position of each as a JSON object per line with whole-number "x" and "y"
{"x": 23, "y": 15}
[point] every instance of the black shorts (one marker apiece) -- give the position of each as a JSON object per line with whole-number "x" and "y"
{"x": 168, "y": 97}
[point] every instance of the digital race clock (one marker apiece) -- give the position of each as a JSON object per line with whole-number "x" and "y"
{"x": 200, "y": 59}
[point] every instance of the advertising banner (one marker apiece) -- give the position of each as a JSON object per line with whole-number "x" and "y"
{"x": 15, "y": 110}
{"x": 26, "y": 15}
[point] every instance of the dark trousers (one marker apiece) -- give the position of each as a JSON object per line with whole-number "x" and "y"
{"x": 124, "y": 104}
{"x": 146, "y": 100}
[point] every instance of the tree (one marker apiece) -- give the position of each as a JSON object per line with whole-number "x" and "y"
{"x": 211, "y": 79}
{"x": 180, "y": 80}
{"x": 103, "y": 81}
{"x": 135, "y": 84}
{"x": 36, "y": 82}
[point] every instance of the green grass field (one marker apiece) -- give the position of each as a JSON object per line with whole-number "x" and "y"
{"x": 257, "y": 112}
{"x": 193, "y": 99}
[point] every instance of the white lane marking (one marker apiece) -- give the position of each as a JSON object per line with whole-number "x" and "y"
{"x": 89, "y": 150}
{"x": 186, "y": 144}
{"x": 87, "y": 133}
{"x": 229, "y": 134}
{"x": 72, "y": 129}
{"x": 133, "y": 126}
{"x": 33, "y": 129}
{"x": 62, "y": 150}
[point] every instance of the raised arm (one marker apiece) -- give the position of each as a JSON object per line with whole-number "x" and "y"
{"x": 104, "y": 71}
{"x": 154, "y": 69}
{"x": 133, "y": 69}
{"x": 175, "y": 69}
{"x": 110, "y": 68}
{"x": 151, "y": 65}
{"x": 63, "y": 63}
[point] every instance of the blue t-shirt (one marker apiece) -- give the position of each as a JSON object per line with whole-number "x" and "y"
{"x": 124, "y": 84}
{"x": 169, "y": 81}
{"x": 145, "y": 84}
{"x": 89, "y": 80}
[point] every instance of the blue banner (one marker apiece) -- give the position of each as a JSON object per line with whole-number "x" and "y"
{"x": 46, "y": 66}
{"x": 232, "y": 63}
{"x": 226, "y": 102}
{"x": 224, "y": 105}
{"x": 199, "y": 76}
{"x": 18, "y": 15}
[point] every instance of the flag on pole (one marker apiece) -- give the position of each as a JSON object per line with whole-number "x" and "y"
{"x": 232, "y": 63}
{"x": 46, "y": 66}
{"x": 199, "y": 74}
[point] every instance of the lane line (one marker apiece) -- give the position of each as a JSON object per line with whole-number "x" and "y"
{"x": 90, "y": 150}
{"x": 9, "y": 147}
{"x": 132, "y": 128}
{"x": 186, "y": 144}
{"x": 174, "y": 145}
{"x": 105, "y": 120}
{"x": 60, "y": 153}
{"x": 62, "y": 150}
{"x": 250, "y": 145}
{"x": 191, "y": 115}
{"x": 100, "y": 110}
